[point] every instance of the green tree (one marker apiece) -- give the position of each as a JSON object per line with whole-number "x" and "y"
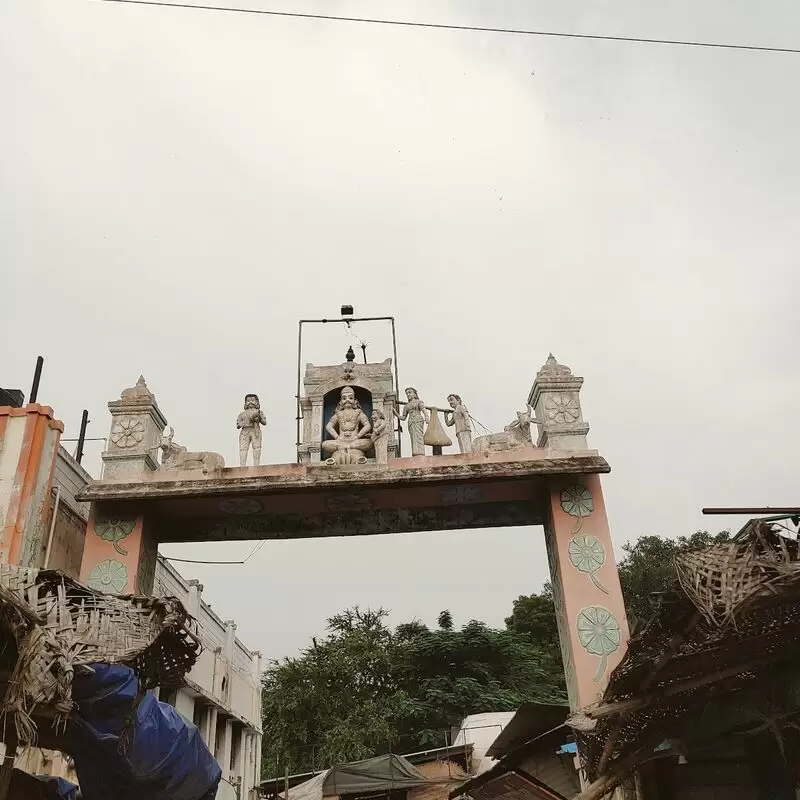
{"x": 649, "y": 566}
{"x": 535, "y": 615}
{"x": 448, "y": 674}
{"x": 337, "y": 701}
{"x": 365, "y": 689}
{"x": 445, "y": 620}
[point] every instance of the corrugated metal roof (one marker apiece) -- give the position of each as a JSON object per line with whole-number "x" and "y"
{"x": 530, "y": 721}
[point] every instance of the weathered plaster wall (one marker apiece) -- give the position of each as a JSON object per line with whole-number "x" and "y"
{"x": 71, "y": 477}
{"x": 69, "y": 535}
{"x": 29, "y": 440}
{"x": 10, "y": 448}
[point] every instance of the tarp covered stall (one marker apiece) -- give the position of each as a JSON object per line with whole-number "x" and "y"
{"x": 126, "y": 751}
{"x": 379, "y": 774}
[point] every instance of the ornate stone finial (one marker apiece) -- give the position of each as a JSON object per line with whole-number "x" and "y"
{"x": 552, "y": 369}
{"x": 350, "y": 355}
{"x": 135, "y": 435}
{"x": 138, "y": 392}
{"x": 555, "y": 397}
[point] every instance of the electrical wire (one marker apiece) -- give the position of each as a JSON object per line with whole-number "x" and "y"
{"x": 453, "y": 27}
{"x": 255, "y": 550}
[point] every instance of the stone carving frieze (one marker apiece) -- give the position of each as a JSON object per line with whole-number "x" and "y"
{"x": 240, "y": 505}
{"x": 462, "y": 494}
{"x": 114, "y": 531}
{"x": 562, "y": 408}
{"x": 587, "y": 555}
{"x": 127, "y": 432}
{"x": 349, "y": 502}
{"x": 599, "y": 633}
{"x": 346, "y": 523}
{"x": 109, "y": 576}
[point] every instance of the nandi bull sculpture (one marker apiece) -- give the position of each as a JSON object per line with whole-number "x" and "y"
{"x": 177, "y": 457}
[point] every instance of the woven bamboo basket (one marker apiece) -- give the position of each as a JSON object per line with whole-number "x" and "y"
{"x": 58, "y": 627}
{"x": 724, "y": 579}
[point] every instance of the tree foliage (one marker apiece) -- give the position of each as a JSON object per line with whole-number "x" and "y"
{"x": 535, "y": 615}
{"x": 338, "y": 701}
{"x": 366, "y": 689}
{"x": 649, "y": 566}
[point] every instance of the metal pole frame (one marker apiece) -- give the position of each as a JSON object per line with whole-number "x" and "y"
{"x": 347, "y": 320}
{"x": 37, "y": 376}
{"x": 82, "y": 436}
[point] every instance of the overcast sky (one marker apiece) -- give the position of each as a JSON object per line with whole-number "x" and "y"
{"x": 178, "y": 187}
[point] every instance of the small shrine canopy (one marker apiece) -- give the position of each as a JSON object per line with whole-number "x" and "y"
{"x": 721, "y": 656}
{"x": 380, "y": 774}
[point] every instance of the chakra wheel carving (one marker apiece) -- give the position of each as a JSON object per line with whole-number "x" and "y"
{"x": 127, "y": 432}
{"x": 577, "y": 502}
{"x": 114, "y": 531}
{"x": 562, "y": 408}
{"x": 109, "y": 576}
{"x": 587, "y": 554}
{"x": 599, "y": 633}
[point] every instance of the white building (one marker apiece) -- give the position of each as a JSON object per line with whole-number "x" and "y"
{"x": 222, "y": 695}
{"x": 480, "y": 730}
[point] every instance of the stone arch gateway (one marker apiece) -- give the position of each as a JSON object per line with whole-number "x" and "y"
{"x": 552, "y": 481}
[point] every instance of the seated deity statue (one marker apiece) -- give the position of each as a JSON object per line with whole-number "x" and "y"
{"x": 349, "y": 429}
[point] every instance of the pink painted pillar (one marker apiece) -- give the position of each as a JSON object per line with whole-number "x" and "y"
{"x": 592, "y": 624}
{"x": 119, "y": 556}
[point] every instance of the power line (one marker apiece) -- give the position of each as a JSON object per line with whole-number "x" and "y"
{"x": 258, "y": 546}
{"x": 446, "y": 27}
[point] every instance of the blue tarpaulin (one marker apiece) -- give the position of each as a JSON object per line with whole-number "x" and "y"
{"x": 162, "y": 756}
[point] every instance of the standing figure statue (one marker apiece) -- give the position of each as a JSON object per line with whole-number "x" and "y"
{"x": 459, "y": 416}
{"x": 414, "y": 410}
{"x": 249, "y": 423}
{"x": 349, "y": 429}
{"x": 380, "y": 437}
